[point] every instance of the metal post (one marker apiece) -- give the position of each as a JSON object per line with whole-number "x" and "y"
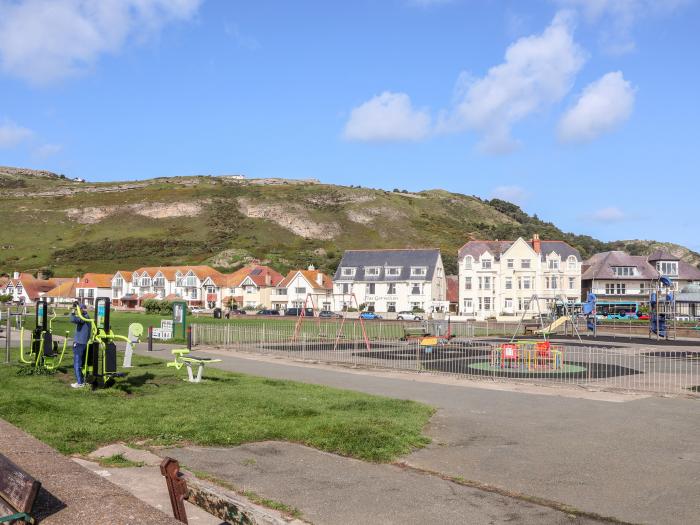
{"x": 189, "y": 337}
{"x": 177, "y": 488}
{"x": 150, "y": 339}
{"x": 8, "y": 337}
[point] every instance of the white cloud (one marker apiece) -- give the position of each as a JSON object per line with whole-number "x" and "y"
{"x": 616, "y": 18}
{"x": 609, "y": 214}
{"x": 45, "y": 40}
{"x": 603, "y": 106}
{"x": 385, "y": 118}
{"x": 47, "y": 150}
{"x": 538, "y": 71}
{"x": 12, "y": 135}
{"x": 515, "y": 194}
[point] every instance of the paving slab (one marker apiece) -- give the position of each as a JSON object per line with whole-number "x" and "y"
{"x": 331, "y": 489}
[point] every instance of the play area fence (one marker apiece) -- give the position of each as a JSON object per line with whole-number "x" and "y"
{"x": 664, "y": 370}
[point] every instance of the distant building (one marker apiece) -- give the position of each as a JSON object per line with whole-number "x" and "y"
{"x": 93, "y": 285}
{"x": 391, "y": 280}
{"x": 453, "y": 292}
{"x": 619, "y": 277}
{"x": 250, "y": 287}
{"x": 308, "y": 288}
{"x": 25, "y": 288}
{"x": 499, "y": 278}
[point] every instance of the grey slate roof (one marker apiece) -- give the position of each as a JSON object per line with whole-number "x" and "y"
{"x": 600, "y": 266}
{"x": 662, "y": 255}
{"x": 360, "y": 259}
{"x": 497, "y": 248}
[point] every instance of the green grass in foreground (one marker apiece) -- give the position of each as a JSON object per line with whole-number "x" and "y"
{"x": 119, "y": 461}
{"x": 154, "y": 406}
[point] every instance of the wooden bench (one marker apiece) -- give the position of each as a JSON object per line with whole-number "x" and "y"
{"x": 410, "y": 332}
{"x": 532, "y": 328}
{"x": 18, "y": 490}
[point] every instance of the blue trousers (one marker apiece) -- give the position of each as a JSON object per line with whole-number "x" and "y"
{"x": 79, "y": 350}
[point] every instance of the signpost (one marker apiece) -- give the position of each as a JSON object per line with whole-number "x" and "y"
{"x": 180, "y": 318}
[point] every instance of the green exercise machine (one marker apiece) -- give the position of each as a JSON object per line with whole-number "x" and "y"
{"x": 184, "y": 358}
{"x": 43, "y": 349}
{"x": 100, "y": 365}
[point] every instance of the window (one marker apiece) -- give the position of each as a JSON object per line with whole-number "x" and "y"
{"x": 415, "y": 289}
{"x": 487, "y": 283}
{"x": 370, "y": 288}
{"x": 391, "y": 306}
{"x": 393, "y": 271}
{"x": 300, "y": 289}
{"x": 347, "y": 272}
{"x": 623, "y": 271}
{"x": 190, "y": 281}
{"x": 283, "y": 291}
{"x": 91, "y": 293}
{"x": 467, "y": 283}
{"x": 525, "y": 263}
{"x": 418, "y": 271}
{"x": 468, "y": 262}
{"x": 145, "y": 281}
{"x": 509, "y": 283}
{"x": 555, "y": 283}
{"x": 571, "y": 262}
{"x": 372, "y": 271}
{"x": 642, "y": 288}
{"x": 546, "y": 282}
{"x": 553, "y": 264}
{"x": 615, "y": 289}
{"x": 346, "y": 288}
{"x": 572, "y": 283}
{"x": 526, "y": 283}
{"x": 391, "y": 289}
{"x": 510, "y": 263}
{"x": 211, "y": 289}
{"x": 370, "y": 306}
{"x": 485, "y": 264}
{"x": 508, "y": 303}
{"x": 487, "y": 304}
{"x": 468, "y": 304}
{"x": 193, "y": 294}
{"x": 667, "y": 267}
{"x": 118, "y": 282}
{"x": 159, "y": 282}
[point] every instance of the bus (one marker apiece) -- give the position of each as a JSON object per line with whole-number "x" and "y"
{"x": 628, "y": 310}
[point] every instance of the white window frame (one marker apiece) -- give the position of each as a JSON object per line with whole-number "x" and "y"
{"x": 347, "y": 271}
{"x": 392, "y": 271}
{"x": 372, "y": 271}
{"x": 419, "y": 271}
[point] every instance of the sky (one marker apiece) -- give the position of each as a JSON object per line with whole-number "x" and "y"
{"x": 584, "y": 112}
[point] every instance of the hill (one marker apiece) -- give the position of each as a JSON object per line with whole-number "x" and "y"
{"x": 70, "y": 227}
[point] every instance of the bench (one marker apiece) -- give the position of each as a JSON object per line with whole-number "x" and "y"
{"x": 18, "y": 490}
{"x": 410, "y": 332}
{"x": 532, "y": 328}
{"x": 183, "y": 358}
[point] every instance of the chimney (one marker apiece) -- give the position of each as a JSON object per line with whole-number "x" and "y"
{"x": 15, "y": 275}
{"x": 311, "y": 268}
{"x": 536, "y": 245}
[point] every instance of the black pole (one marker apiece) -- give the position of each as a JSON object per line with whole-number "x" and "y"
{"x": 189, "y": 338}
{"x": 150, "y": 339}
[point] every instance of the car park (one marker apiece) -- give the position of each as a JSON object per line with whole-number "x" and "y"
{"x": 327, "y": 314}
{"x": 407, "y": 315}
{"x": 369, "y": 316}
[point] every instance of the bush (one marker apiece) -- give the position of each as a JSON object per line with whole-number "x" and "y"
{"x": 418, "y": 310}
{"x": 166, "y": 308}
{"x": 248, "y": 308}
{"x": 154, "y": 306}
{"x": 5, "y": 298}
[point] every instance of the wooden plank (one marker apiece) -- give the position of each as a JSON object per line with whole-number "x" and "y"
{"x": 17, "y": 488}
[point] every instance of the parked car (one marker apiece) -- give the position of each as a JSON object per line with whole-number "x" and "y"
{"x": 198, "y": 310}
{"x": 296, "y": 312}
{"x": 234, "y": 312}
{"x": 327, "y": 314}
{"x": 369, "y": 316}
{"x": 268, "y": 312}
{"x": 407, "y": 315}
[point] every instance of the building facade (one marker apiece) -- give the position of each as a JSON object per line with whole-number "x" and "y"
{"x": 500, "y": 278}
{"x": 390, "y": 281}
{"x": 93, "y": 285}
{"x": 308, "y": 288}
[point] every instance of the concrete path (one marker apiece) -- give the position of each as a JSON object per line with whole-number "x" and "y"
{"x": 637, "y": 459}
{"x": 333, "y": 490}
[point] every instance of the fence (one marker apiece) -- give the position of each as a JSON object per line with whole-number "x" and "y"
{"x": 671, "y": 370}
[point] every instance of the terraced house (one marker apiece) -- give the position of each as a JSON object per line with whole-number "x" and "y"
{"x": 25, "y": 288}
{"x": 251, "y": 287}
{"x": 308, "y": 288}
{"x": 198, "y": 285}
{"x": 391, "y": 280}
{"x": 93, "y": 285}
{"x": 499, "y": 278}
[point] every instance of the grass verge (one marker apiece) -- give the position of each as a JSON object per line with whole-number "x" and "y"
{"x": 119, "y": 461}
{"x": 153, "y": 405}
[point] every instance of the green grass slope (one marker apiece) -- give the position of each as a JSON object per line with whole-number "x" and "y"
{"x": 71, "y": 227}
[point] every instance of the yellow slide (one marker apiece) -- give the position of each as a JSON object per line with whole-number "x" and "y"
{"x": 552, "y": 327}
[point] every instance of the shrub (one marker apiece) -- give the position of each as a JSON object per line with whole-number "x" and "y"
{"x": 152, "y": 306}
{"x": 5, "y": 298}
{"x": 418, "y": 310}
{"x": 248, "y": 308}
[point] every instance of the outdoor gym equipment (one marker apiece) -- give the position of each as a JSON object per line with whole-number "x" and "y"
{"x": 101, "y": 355}
{"x": 43, "y": 350}
{"x": 183, "y": 358}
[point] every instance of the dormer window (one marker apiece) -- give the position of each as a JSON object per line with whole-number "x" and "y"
{"x": 418, "y": 271}
{"x": 553, "y": 264}
{"x": 623, "y": 271}
{"x": 159, "y": 282}
{"x": 571, "y": 262}
{"x": 347, "y": 272}
{"x": 372, "y": 271}
{"x": 191, "y": 281}
{"x": 667, "y": 267}
{"x": 485, "y": 264}
{"x": 393, "y": 271}
{"x": 468, "y": 262}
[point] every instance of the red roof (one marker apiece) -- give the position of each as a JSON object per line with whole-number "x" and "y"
{"x": 95, "y": 280}
{"x": 311, "y": 277}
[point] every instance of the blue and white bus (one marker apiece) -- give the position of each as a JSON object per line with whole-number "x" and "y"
{"x": 608, "y": 310}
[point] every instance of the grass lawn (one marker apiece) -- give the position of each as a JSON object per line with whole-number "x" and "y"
{"x": 154, "y": 406}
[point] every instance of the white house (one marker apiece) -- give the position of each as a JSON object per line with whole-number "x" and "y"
{"x": 25, "y": 288}
{"x": 391, "y": 280}
{"x": 304, "y": 288}
{"x": 251, "y": 287}
{"x": 93, "y": 285}
{"x": 499, "y": 278}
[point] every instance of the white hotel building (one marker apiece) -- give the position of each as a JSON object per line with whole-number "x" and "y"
{"x": 499, "y": 278}
{"x": 391, "y": 281}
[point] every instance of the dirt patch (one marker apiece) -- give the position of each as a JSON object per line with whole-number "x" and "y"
{"x": 291, "y": 217}
{"x": 368, "y": 215}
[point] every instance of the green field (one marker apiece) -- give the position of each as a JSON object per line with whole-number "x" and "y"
{"x": 153, "y": 405}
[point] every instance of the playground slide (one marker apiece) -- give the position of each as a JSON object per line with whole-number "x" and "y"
{"x": 556, "y": 324}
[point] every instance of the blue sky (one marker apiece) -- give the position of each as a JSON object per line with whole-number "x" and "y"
{"x": 582, "y": 111}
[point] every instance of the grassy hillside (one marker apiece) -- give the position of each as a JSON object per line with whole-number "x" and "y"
{"x": 71, "y": 227}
